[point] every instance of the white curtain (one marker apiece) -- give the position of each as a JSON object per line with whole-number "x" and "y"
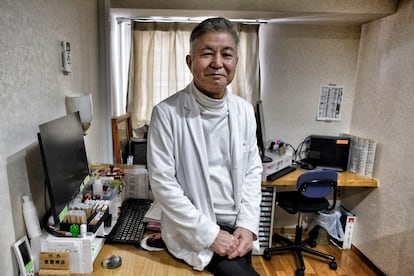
{"x": 120, "y": 56}
{"x": 158, "y": 68}
{"x": 246, "y": 82}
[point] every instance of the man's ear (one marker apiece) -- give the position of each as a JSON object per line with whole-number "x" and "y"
{"x": 188, "y": 61}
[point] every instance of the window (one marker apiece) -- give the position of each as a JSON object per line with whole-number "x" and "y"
{"x": 157, "y": 67}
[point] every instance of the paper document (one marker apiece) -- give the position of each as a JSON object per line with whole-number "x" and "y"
{"x": 154, "y": 213}
{"x": 329, "y": 108}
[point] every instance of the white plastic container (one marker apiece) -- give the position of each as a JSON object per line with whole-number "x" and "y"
{"x": 30, "y": 217}
{"x": 98, "y": 187}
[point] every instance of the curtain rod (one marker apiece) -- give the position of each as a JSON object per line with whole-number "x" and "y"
{"x": 185, "y": 20}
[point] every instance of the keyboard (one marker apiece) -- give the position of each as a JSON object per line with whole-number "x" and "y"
{"x": 130, "y": 226}
{"x": 280, "y": 173}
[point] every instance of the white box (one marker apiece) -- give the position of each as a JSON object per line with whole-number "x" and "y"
{"x": 278, "y": 162}
{"x": 348, "y": 221}
{"x": 83, "y": 251}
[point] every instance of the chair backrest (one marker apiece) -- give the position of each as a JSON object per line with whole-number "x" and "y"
{"x": 317, "y": 184}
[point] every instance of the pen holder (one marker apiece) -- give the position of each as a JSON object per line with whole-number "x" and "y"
{"x": 93, "y": 222}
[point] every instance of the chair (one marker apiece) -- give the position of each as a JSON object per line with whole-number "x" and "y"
{"x": 312, "y": 189}
{"x": 121, "y": 134}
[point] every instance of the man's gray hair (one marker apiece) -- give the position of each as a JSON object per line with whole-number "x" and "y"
{"x": 216, "y": 24}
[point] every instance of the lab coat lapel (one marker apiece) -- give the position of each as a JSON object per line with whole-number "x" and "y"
{"x": 236, "y": 150}
{"x": 196, "y": 132}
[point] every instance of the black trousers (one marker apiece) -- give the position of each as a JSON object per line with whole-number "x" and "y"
{"x": 240, "y": 266}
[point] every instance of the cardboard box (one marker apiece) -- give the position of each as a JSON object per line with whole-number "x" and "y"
{"x": 348, "y": 220}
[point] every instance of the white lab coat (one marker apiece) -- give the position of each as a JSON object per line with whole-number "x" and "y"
{"x": 179, "y": 174}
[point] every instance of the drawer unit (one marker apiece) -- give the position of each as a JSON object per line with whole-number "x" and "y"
{"x": 266, "y": 219}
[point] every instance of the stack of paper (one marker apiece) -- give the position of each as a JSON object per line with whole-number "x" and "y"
{"x": 154, "y": 213}
{"x": 361, "y": 155}
{"x": 137, "y": 183}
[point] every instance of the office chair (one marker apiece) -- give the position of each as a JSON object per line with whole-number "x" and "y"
{"x": 312, "y": 188}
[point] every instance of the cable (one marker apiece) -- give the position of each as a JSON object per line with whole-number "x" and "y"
{"x": 44, "y": 222}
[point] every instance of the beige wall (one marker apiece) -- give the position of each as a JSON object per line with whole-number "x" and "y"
{"x": 384, "y": 110}
{"x": 33, "y": 90}
{"x": 296, "y": 59}
{"x": 272, "y": 7}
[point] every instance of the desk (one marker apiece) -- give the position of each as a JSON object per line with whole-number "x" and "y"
{"x": 140, "y": 262}
{"x": 288, "y": 183}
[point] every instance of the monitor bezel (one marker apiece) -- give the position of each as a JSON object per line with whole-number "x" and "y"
{"x": 53, "y": 183}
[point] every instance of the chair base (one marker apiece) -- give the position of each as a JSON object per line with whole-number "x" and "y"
{"x": 298, "y": 247}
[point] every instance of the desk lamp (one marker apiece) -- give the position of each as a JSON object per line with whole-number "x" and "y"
{"x": 83, "y": 104}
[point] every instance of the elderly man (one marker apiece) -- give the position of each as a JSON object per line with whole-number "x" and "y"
{"x": 203, "y": 160}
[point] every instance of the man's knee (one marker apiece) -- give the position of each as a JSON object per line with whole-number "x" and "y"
{"x": 222, "y": 266}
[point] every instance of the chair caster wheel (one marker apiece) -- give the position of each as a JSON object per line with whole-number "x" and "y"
{"x": 299, "y": 272}
{"x": 276, "y": 238}
{"x": 312, "y": 243}
{"x": 266, "y": 254}
{"x": 333, "y": 266}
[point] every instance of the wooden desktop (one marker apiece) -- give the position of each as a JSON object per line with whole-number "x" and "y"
{"x": 141, "y": 262}
{"x": 136, "y": 261}
{"x": 345, "y": 179}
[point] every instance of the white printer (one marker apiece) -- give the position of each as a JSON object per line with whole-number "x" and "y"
{"x": 278, "y": 162}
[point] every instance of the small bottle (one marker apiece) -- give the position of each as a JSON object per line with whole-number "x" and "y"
{"x": 30, "y": 217}
{"x": 83, "y": 230}
{"x": 98, "y": 187}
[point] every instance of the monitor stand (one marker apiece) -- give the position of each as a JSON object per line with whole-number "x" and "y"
{"x": 266, "y": 159}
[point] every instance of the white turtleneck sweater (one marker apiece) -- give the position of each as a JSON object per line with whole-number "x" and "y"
{"x": 214, "y": 116}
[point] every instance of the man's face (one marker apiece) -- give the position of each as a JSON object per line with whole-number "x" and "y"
{"x": 213, "y": 63}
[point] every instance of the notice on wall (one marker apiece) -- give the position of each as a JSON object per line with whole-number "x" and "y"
{"x": 329, "y": 108}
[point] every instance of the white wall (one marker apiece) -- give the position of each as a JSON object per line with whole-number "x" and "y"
{"x": 33, "y": 90}
{"x": 296, "y": 59}
{"x": 384, "y": 111}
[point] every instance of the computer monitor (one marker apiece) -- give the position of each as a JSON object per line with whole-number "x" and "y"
{"x": 330, "y": 152}
{"x": 64, "y": 161}
{"x": 260, "y": 132}
{"x": 138, "y": 150}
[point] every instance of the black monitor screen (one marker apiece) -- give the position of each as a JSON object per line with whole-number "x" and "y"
{"x": 329, "y": 152}
{"x": 260, "y": 132}
{"x": 64, "y": 160}
{"x": 138, "y": 149}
